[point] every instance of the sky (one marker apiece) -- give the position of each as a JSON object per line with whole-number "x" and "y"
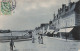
{"x": 29, "y": 14}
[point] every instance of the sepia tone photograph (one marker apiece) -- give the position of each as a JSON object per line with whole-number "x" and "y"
{"x": 39, "y": 25}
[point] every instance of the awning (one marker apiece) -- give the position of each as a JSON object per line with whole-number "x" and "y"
{"x": 55, "y": 32}
{"x": 40, "y": 32}
{"x": 65, "y": 30}
{"x": 51, "y": 31}
{"x": 46, "y": 32}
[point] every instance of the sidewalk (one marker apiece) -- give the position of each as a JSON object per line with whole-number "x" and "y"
{"x": 65, "y": 39}
{"x": 58, "y": 44}
{"x": 49, "y": 44}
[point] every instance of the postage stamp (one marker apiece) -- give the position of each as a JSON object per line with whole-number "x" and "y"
{"x": 7, "y": 7}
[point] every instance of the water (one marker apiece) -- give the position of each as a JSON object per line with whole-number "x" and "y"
{"x": 14, "y": 34}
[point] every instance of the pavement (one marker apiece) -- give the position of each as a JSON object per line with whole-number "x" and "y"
{"x": 49, "y": 44}
{"x": 61, "y": 44}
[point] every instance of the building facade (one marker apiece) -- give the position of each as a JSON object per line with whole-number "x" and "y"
{"x": 68, "y": 17}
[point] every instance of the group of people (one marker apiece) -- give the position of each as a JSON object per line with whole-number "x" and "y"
{"x": 40, "y": 39}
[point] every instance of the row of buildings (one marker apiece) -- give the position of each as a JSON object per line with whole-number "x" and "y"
{"x": 66, "y": 24}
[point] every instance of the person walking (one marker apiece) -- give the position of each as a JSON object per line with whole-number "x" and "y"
{"x": 33, "y": 39}
{"x": 11, "y": 44}
{"x": 41, "y": 39}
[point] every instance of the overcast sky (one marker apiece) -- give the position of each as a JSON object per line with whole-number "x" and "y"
{"x": 29, "y": 14}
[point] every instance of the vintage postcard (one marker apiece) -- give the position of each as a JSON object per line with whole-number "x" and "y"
{"x": 39, "y": 25}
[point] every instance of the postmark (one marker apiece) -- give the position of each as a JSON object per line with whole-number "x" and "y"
{"x": 7, "y": 6}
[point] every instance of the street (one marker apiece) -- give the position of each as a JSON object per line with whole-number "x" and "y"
{"x": 49, "y": 44}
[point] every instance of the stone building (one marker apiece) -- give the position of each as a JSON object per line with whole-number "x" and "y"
{"x": 67, "y": 21}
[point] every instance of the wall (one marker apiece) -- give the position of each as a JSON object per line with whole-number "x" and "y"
{"x": 66, "y": 21}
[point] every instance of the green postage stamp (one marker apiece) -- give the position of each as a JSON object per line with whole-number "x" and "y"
{"x": 5, "y": 8}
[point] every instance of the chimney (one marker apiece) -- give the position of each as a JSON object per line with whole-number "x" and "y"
{"x": 54, "y": 16}
{"x": 69, "y": 4}
{"x": 69, "y": 1}
{"x": 58, "y": 11}
{"x": 63, "y": 8}
{"x": 50, "y": 22}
